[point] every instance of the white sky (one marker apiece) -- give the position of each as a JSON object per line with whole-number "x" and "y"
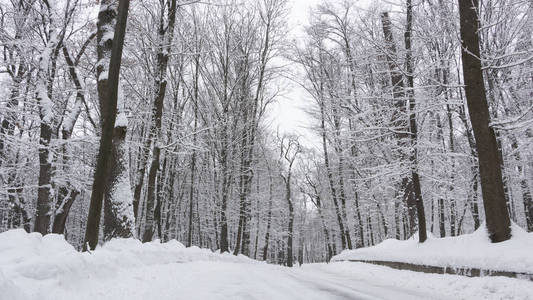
{"x": 288, "y": 113}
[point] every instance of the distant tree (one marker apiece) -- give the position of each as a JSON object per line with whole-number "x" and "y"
{"x": 289, "y": 150}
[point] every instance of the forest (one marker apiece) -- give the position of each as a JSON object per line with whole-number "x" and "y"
{"x": 152, "y": 119}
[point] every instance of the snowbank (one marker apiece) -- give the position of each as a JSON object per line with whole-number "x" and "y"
{"x": 29, "y": 258}
{"x": 429, "y": 286}
{"x": 48, "y": 268}
{"x": 466, "y": 251}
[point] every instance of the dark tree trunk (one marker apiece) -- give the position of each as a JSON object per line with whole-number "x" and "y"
{"x": 191, "y": 192}
{"x": 417, "y": 191}
{"x": 442, "y": 221}
{"x": 269, "y": 214}
{"x": 397, "y": 216}
{"x": 60, "y": 218}
{"x": 291, "y": 221}
{"x": 359, "y": 219}
{"x": 267, "y": 234}
{"x": 474, "y": 169}
{"x": 497, "y": 217}
{"x": 165, "y": 36}
{"x": 524, "y": 187}
{"x": 109, "y": 113}
{"x": 42, "y": 218}
{"x": 342, "y": 194}
{"x": 371, "y": 230}
{"x": 45, "y": 77}
{"x": 330, "y": 175}
{"x": 143, "y": 161}
{"x": 224, "y": 245}
{"x": 117, "y": 194}
{"x": 399, "y": 117}
{"x": 243, "y": 177}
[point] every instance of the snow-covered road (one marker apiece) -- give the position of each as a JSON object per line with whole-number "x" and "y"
{"x": 230, "y": 280}
{"x": 48, "y": 268}
{"x": 220, "y": 280}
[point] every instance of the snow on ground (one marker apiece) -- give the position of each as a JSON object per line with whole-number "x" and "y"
{"x": 36, "y": 267}
{"x": 468, "y": 250}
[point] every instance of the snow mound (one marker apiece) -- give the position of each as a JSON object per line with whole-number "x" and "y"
{"x": 29, "y": 257}
{"x": 465, "y": 251}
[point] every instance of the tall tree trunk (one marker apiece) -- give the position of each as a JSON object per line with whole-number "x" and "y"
{"x": 193, "y": 157}
{"x": 118, "y": 207}
{"x": 399, "y": 117}
{"x": 318, "y": 204}
{"x": 109, "y": 86}
{"x": 330, "y": 175}
{"x": 497, "y": 217}
{"x": 526, "y": 191}
{"x": 291, "y": 220}
{"x": 165, "y": 36}
{"x": 442, "y": 221}
{"x": 415, "y": 180}
{"x": 359, "y": 218}
{"x": 267, "y": 234}
{"x": 143, "y": 161}
{"x": 340, "y": 155}
{"x": 224, "y": 245}
{"x": 46, "y": 114}
{"x": 474, "y": 169}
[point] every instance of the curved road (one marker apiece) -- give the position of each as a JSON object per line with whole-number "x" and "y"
{"x": 220, "y": 280}
{"x": 208, "y": 280}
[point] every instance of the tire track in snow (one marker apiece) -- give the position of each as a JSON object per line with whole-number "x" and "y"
{"x": 345, "y": 287}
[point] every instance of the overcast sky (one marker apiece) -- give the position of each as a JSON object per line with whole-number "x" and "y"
{"x": 288, "y": 113}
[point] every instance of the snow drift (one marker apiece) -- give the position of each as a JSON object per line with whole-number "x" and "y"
{"x": 37, "y": 267}
{"x": 465, "y": 251}
{"x": 29, "y": 257}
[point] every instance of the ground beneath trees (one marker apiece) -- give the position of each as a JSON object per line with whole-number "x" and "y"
{"x": 36, "y": 267}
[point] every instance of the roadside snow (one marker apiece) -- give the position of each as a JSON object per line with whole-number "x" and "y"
{"x": 48, "y": 268}
{"x": 468, "y": 250}
{"x": 426, "y": 286}
{"x": 31, "y": 259}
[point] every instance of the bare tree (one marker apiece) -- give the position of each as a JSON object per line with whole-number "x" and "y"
{"x": 289, "y": 150}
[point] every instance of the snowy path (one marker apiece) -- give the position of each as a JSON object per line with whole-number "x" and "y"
{"x": 229, "y": 280}
{"x": 221, "y": 280}
{"x": 48, "y": 268}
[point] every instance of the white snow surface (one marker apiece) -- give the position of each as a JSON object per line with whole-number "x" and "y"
{"x": 468, "y": 250}
{"x": 36, "y": 267}
{"x": 122, "y": 120}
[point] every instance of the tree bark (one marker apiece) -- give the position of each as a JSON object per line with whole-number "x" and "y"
{"x": 330, "y": 175}
{"x": 109, "y": 116}
{"x": 497, "y": 217}
{"x": 399, "y": 117}
{"x": 165, "y": 35}
{"x": 46, "y": 114}
{"x": 415, "y": 180}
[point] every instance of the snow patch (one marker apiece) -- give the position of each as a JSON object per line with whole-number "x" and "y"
{"x": 466, "y": 251}
{"x": 122, "y": 120}
{"x": 28, "y": 259}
